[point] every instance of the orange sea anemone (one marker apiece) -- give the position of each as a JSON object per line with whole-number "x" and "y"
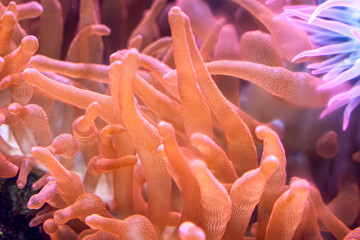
{"x": 170, "y": 120}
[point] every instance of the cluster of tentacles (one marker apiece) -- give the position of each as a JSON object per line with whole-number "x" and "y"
{"x": 333, "y": 28}
{"x": 158, "y": 143}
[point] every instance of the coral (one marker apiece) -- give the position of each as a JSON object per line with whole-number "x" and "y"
{"x": 180, "y": 119}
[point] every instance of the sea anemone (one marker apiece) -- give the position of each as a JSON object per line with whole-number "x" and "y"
{"x": 187, "y": 122}
{"x": 333, "y": 29}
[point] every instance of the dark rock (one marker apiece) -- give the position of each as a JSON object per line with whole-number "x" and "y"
{"x": 14, "y": 214}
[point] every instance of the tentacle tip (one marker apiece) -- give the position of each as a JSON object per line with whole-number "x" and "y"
{"x": 21, "y": 184}
{"x": 94, "y": 106}
{"x": 92, "y": 218}
{"x": 36, "y": 149}
{"x": 133, "y": 53}
{"x": 197, "y": 139}
{"x": 116, "y": 56}
{"x": 190, "y": 230}
{"x": 38, "y": 152}
{"x": 30, "y": 43}
{"x": 345, "y": 125}
{"x": 322, "y": 87}
{"x": 198, "y": 165}
{"x": 12, "y": 3}
{"x": 196, "y": 136}
{"x": 28, "y": 72}
{"x": 32, "y": 223}
{"x": 300, "y": 186}
{"x": 261, "y": 130}
{"x": 297, "y": 57}
{"x": 270, "y": 164}
{"x": 9, "y": 18}
{"x": 115, "y": 67}
{"x": 15, "y": 108}
{"x": 175, "y": 10}
{"x": 33, "y": 204}
{"x": 61, "y": 216}
{"x": 40, "y": 9}
{"x": 35, "y": 59}
{"x": 101, "y": 30}
{"x": 50, "y": 227}
{"x": 165, "y": 129}
{"x": 331, "y": 101}
{"x": 35, "y": 187}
